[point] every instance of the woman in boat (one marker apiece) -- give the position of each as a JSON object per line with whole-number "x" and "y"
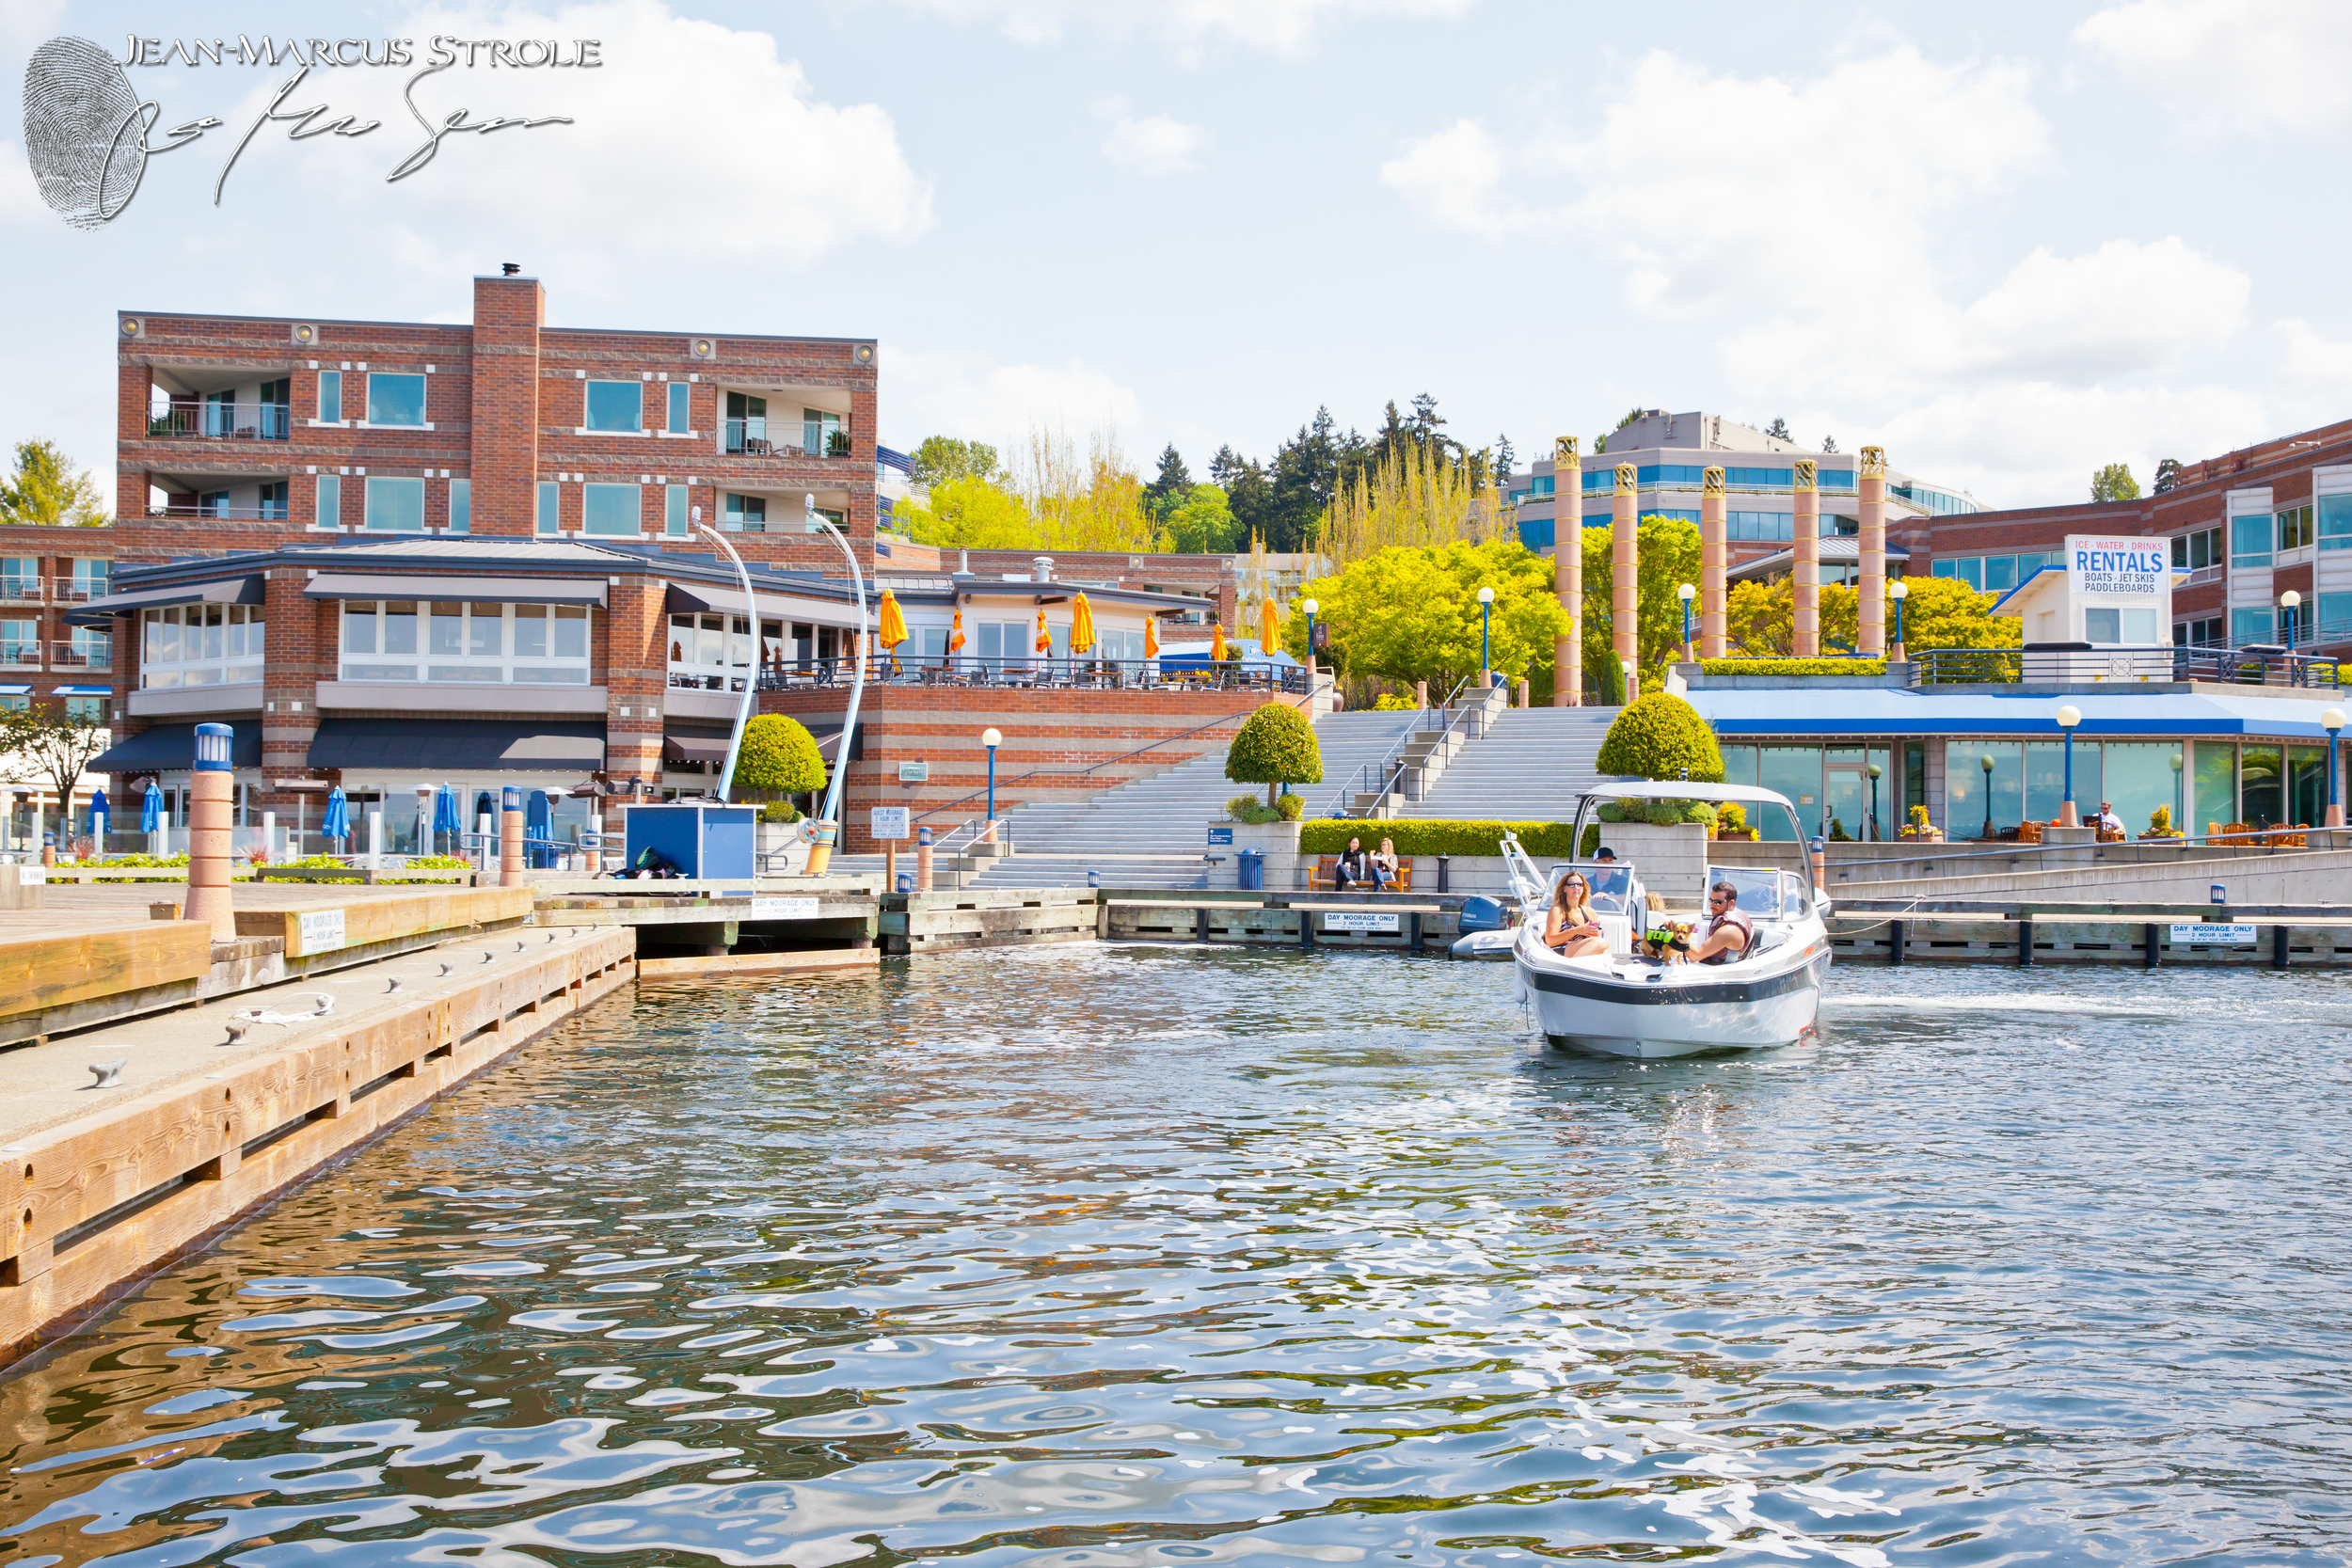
{"x": 1571, "y": 927}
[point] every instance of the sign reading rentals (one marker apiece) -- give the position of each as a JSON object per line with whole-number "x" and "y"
{"x": 2120, "y": 589}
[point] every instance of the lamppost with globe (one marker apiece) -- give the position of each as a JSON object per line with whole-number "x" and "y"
{"x": 2332, "y": 722}
{"x": 2068, "y": 716}
{"x": 2289, "y": 603}
{"x": 1311, "y": 605}
{"x": 992, "y": 738}
{"x": 1897, "y": 591}
{"x": 1874, "y": 830}
{"x": 1986, "y": 763}
{"x": 1686, "y": 594}
{"x": 1486, "y": 637}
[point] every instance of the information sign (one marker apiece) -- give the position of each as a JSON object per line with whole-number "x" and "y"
{"x": 784, "y": 909}
{"x": 1360, "y": 920}
{"x": 1220, "y": 835}
{"x": 2212, "y": 934}
{"x": 891, "y": 822}
{"x": 321, "y": 930}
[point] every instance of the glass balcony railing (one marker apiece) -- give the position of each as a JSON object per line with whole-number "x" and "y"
{"x": 23, "y": 652}
{"x": 77, "y": 590}
{"x": 221, "y": 421}
{"x": 85, "y": 653}
{"x": 752, "y": 439}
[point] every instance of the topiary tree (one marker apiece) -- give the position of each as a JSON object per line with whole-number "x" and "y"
{"x": 1657, "y": 737}
{"x": 779, "y": 757}
{"x": 1276, "y": 746}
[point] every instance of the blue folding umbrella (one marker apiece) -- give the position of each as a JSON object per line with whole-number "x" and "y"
{"x": 99, "y": 812}
{"x": 151, "y": 809}
{"x": 445, "y": 819}
{"x": 337, "y": 825}
{"x": 539, "y": 829}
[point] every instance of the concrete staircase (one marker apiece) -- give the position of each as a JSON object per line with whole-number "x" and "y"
{"x": 1528, "y": 766}
{"x": 1152, "y": 832}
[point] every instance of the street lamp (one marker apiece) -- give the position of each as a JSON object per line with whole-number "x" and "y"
{"x": 2068, "y": 716}
{"x": 992, "y": 740}
{"x": 2288, "y": 603}
{"x": 1899, "y": 591}
{"x": 1485, "y": 638}
{"x": 1309, "y": 606}
{"x": 1686, "y": 594}
{"x": 1986, "y": 763}
{"x": 751, "y": 676}
{"x": 828, "y": 828}
{"x": 2180, "y": 796}
{"x": 2332, "y": 722}
{"x": 1876, "y": 832}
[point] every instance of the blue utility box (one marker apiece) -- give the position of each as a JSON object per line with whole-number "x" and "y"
{"x": 699, "y": 839}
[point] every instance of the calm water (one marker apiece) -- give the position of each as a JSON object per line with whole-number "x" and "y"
{"x": 1135, "y": 1256}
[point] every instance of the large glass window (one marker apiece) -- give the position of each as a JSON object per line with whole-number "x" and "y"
{"x": 2262, "y": 786}
{"x": 819, "y": 429}
{"x": 395, "y": 399}
{"x": 330, "y": 500}
{"x": 200, "y": 644}
{"x": 468, "y": 641}
{"x": 2307, "y": 785}
{"x": 20, "y": 643}
{"x": 1984, "y": 782}
{"x": 1760, "y": 525}
{"x": 20, "y": 576}
{"x": 612, "y": 509}
{"x": 1754, "y": 479}
{"x": 674, "y": 509}
{"x": 2216, "y": 786}
{"x": 2334, "y": 619}
{"x": 615, "y": 406}
{"x": 2250, "y": 626}
{"x": 331, "y": 396}
{"x": 2250, "y": 539}
{"x": 1796, "y": 772}
{"x": 2294, "y": 527}
{"x": 550, "y": 507}
{"x": 2334, "y": 522}
{"x": 710, "y": 652}
{"x": 744, "y": 514}
{"x": 395, "y": 505}
{"x": 2045, "y": 778}
{"x": 1834, "y": 479}
{"x": 2136, "y": 778}
{"x": 680, "y": 408}
{"x": 2130, "y": 626}
{"x": 461, "y": 506}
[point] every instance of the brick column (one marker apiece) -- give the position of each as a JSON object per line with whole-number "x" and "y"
{"x": 636, "y": 676}
{"x": 298, "y": 638}
{"x": 1807, "y": 550}
{"x": 1623, "y": 569}
{"x": 1568, "y": 571}
{"x": 1713, "y": 621}
{"x": 507, "y": 315}
{"x": 1872, "y": 585}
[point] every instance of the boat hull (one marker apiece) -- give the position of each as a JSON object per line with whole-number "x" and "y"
{"x": 1686, "y": 1011}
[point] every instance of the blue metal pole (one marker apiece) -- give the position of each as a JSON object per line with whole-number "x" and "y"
{"x": 1686, "y": 624}
{"x": 2334, "y": 799}
{"x": 991, "y": 783}
{"x": 2069, "y": 767}
{"x": 1899, "y": 622}
{"x": 1485, "y": 640}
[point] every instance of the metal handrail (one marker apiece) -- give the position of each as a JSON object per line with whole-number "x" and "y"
{"x": 1021, "y": 671}
{"x": 2011, "y": 850}
{"x": 2258, "y": 665}
{"x": 1373, "y": 773}
{"x": 1074, "y": 773}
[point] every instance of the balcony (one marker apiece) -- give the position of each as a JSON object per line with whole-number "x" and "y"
{"x": 2066, "y": 662}
{"x": 17, "y": 590}
{"x": 74, "y": 590}
{"x": 196, "y": 420}
{"x": 749, "y": 438}
{"x": 82, "y": 652}
{"x": 274, "y": 512}
{"x": 19, "y": 653}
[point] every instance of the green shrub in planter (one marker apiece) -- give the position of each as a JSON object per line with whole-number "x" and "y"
{"x": 1291, "y": 808}
{"x": 779, "y": 811}
{"x": 1250, "y": 809}
{"x": 1659, "y": 737}
{"x": 1429, "y": 836}
{"x": 1849, "y": 667}
{"x": 779, "y": 757}
{"x": 1276, "y": 746}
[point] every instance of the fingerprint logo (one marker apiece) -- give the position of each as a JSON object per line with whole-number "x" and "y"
{"x": 84, "y": 131}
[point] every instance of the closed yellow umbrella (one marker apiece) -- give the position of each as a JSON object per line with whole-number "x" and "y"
{"x": 893, "y": 620}
{"x": 955, "y": 635}
{"x": 1082, "y": 627}
{"x": 1216, "y": 643}
{"x": 1269, "y": 627}
{"x": 1152, "y": 637}
{"x": 1044, "y": 637}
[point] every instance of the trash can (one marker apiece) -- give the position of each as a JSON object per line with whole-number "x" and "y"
{"x": 1252, "y": 871}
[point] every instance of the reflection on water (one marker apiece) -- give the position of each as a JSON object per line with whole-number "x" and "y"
{"x": 1135, "y": 1256}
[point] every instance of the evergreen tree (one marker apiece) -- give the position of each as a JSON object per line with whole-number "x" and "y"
{"x": 2167, "y": 475}
{"x": 1829, "y": 443}
{"x": 1505, "y": 459}
{"x": 1778, "y": 429}
{"x": 1173, "y": 488}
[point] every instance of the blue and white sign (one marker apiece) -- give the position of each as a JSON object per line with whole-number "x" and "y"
{"x": 1220, "y": 835}
{"x": 2212, "y": 934}
{"x": 1358, "y": 920}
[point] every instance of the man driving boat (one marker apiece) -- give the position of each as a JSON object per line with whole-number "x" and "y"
{"x": 1728, "y": 928}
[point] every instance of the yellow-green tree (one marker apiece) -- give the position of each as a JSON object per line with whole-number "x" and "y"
{"x": 46, "y": 489}
{"x": 1939, "y": 612}
{"x": 1408, "y": 613}
{"x": 1094, "y": 502}
{"x": 1414, "y": 497}
{"x": 1668, "y": 553}
{"x": 973, "y": 514}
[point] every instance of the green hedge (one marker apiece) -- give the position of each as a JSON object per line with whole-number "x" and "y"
{"x": 1793, "y": 666}
{"x": 1424, "y": 836}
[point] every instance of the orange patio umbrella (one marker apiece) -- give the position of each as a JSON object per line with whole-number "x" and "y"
{"x": 1152, "y": 637}
{"x": 955, "y": 635}
{"x": 893, "y": 620}
{"x": 1269, "y": 627}
{"x": 1044, "y": 637}
{"x": 1082, "y": 627}
{"x": 1217, "y": 642}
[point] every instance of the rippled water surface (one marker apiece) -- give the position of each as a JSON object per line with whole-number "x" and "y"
{"x": 1137, "y": 1256}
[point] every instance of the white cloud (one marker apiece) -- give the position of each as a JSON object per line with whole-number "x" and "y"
{"x": 945, "y": 392}
{"x": 2257, "y": 65}
{"x": 2034, "y": 443}
{"x": 1154, "y": 145}
{"x": 25, "y": 22}
{"x": 1453, "y": 178}
{"x": 779, "y": 177}
{"x": 1283, "y": 26}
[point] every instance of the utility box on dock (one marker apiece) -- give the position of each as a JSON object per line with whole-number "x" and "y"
{"x": 700, "y": 840}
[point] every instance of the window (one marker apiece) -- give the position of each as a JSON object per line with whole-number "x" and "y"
{"x": 90, "y": 577}
{"x": 674, "y": 509}
{"x": 1669, "y": 473}
{"x": 274, "y": 500}
{"x": 461, "y": 506}
{"x": 2294, "y": 527}
{"x": 1601, "y": 479}
{"x": 332, "y": 397}
{"x": 395, "y": 505}
{"x": 745, "y": 515}
{"x": 681, "y": 407}
{"x": 709, "y": 652}
{"x": 474, "y": 642}
{"x": 2251, "y": 625}
{"x": 2127, "y": 626}
{"x": 395, "y": 399}
{"x": 821, "y": 431}
{"x": 20, "y": 576}
{"x": 2196, "y": 551}
{"x": 615, "y": 406}
{"x": 20, "y": 643}
{"x": 15, "y": 701}
{"x": 88, "y": 710}
{"x": 2334, "y": 619}
{"x": 550, "y": 507}
{"x": 2249, "y": 542}
{"x": 200, "y": 644}
{"x": 212, "y": 503}
{"x": 2334, "y": 522}
{"x": 1834, "y": 479}
{"x": 747, "y": 423}
{"x": 1762, "y": 525}
{"x": 2198, "y": 633}
{"x": 330, "y": 500}
{"x": 2000, "y": 573}
{"x": 1757, "y": 479}
{"x": 612, "y": 509}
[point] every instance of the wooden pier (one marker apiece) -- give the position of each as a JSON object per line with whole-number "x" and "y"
{"x": 2145, "y": 936}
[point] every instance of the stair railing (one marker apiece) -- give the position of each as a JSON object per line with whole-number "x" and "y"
{"x": 1378, "y": 778}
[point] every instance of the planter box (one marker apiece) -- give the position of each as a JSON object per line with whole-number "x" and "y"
{"x": 1276, "y": 841}
{"x": 781, "y": 851}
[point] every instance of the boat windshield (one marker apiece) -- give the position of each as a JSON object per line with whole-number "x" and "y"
{"x": 1766, "y": 893}
{"x": 1612, "y": 882}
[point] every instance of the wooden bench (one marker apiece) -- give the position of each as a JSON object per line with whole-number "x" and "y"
{"x": 1325, "y": 877}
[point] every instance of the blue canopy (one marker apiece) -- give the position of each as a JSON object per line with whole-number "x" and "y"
{"x": 97, "y": 804}
{"x": 338, "y": 821}
{"x": 151, "y": 809}
{"x": 445, "y": 812}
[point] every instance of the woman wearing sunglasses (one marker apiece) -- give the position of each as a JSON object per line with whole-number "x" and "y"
{"x": 1571, "y": 927}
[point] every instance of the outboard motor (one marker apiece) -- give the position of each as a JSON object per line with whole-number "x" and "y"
{"x": 1481, "y": 914}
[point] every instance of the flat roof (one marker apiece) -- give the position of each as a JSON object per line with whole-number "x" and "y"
{"x": 2118, "y": 716}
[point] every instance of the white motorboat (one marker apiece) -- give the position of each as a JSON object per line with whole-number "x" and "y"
{"x": 1623, "y": 1004}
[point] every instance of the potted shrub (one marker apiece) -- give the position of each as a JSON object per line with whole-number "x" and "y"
{"x": 1731, "y": 822}
{"x": 1660, "y": 736}
{"x": 780, "y": 758}
{"x": 2160, "y": 824}
{"x": 1920, "y": 828}
{"x": 1276, "y": 746}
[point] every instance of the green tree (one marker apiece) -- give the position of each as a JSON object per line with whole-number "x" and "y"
{"x": 779, "y": 757}
{"x": 974, "y": 513}
{"x": 1667, "y": 550}
{"x": 2167, "y": 475}
{"x": 57, "y": 742}
{"x": 1660, "y": 736}
{"x": 943, "y": 458}
{"x": 1778, "y": 429}
{"x": 1408, "y": 613}
{"x": 1275, "y": 746}
{"x": 2114, "y": 482}
{"x": 1202, "y": 523}
{"x": 46, "y": 490}
{"x": 1172, "y": 489}
{"x": 1938, "y": 612}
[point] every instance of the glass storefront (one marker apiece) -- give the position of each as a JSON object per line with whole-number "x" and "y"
{"x": 2262, "y": 786}
{"x": 2138, "y": 777}
{"x": 2307, "y": 785}
{"x": 2216, "y": 789}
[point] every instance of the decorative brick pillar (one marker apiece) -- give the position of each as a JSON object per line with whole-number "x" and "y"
{"x": 1805, "y": 547}
{"x": 299, "y": 639}
{"x": 508, "y": 313}
{"x": 1623, "y": 569}
{"x": 636, "y": 676}
{"x": 1871, "y": 584}
{"x": 1568, "y": 571}
{"x": 1713, "y": 621}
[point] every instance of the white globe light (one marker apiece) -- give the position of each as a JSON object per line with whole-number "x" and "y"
{"x": 2290, "y": 598}
{"x": 2331, "y": 720}
{"x": 992, "y": 738}
{"x": 1310, "y": 606}
{"x": 1900, "y": 590}
{"x": 1687, "y": 592}
{"x": 2068, "y": 716}
{"x": 1486, "y": 596}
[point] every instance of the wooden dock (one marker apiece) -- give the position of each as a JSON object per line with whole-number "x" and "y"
{"x": 2149, "y": 936}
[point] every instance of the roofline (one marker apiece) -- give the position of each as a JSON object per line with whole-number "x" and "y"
{"x": 468, "y": 327}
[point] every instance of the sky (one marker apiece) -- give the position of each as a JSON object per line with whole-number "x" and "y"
{"x": 2009, "y": 242}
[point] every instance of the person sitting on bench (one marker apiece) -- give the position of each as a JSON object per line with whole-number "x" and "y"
{"x": 1729, "y": 929}
{"x": 1353, "y": 869}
